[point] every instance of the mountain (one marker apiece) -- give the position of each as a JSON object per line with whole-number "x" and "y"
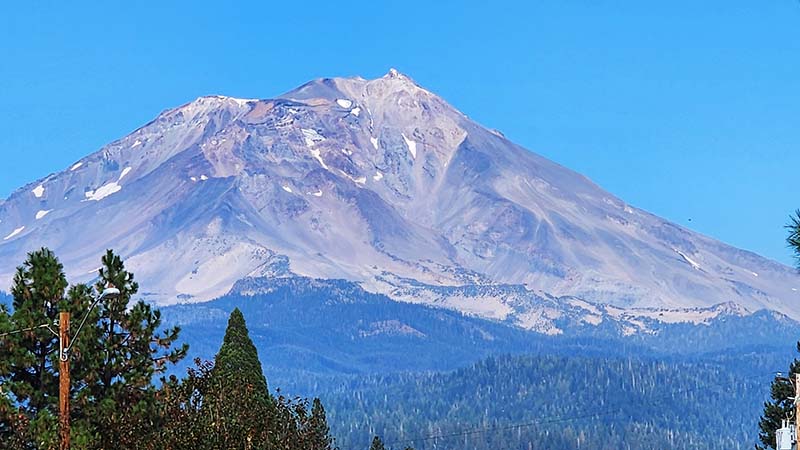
{"x": 311, "y": 328}
{"x": 381, "y": 183}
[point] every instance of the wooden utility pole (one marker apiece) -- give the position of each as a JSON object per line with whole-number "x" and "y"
{"x": 796, "y": 408}
{"x": 63, "y": 378}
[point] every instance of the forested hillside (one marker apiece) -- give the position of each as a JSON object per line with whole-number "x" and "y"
{"x": 555, "y": 403}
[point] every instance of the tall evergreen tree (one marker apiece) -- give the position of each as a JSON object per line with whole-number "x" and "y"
{"x": 113, "y": 359}
{"x": 377, "y": 444}
{"x": 238, "y": 358}
{"x": 38, "y": 289}
{"x": 126, "y": 348}
{"x": 242, "y": 412}
{"x": 29, "y": 357}
{"x": 318, "y": 432}
{"x": 794, "y": 235}
{"x": 226, "y": 405}
{"x": 779, "y": 407}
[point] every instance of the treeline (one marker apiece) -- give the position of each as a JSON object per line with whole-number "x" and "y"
{"x": 118, "y": 356}
{"x": 555, "y": 403}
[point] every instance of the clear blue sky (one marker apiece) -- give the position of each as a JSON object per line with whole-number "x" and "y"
{"x": 688, "y": 109}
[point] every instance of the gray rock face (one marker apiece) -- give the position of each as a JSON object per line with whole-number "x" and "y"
{"x": 382, "y": 183}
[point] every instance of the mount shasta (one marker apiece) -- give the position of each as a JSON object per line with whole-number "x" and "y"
{"x": 381, "y": 183}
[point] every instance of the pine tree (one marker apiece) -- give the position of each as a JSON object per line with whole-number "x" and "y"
{"x": 780, "y": 407}
{"x": 377, "y": 444}
{"x": 238, "y": 358}
{"x": 318, "y": 432}
{"x": 182, "y": 404}
{"x": 241, "y": 411}
{"x": 794, "y": 235}
{"x": 226, "y": 405}
{"x": 113, "y": 359}
{"x": 29, "y": 359}
{"x": 38, "y": 289}
{"x": 124, "y": 351}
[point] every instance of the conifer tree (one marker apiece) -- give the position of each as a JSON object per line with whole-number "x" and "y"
{"x": 780, "y": 407}
{"x": 29, "y": 358}
{"x": 125, "y": 349}
{"x": 226, "y": 405}
{"x": 241, "y": 410}
{"x": 377, "y": 444}
{"x": 318, "y": 432}
{"x": 238, "y": 358}
{"x": 113, "y": 358}
{"x": 794, "y": 235}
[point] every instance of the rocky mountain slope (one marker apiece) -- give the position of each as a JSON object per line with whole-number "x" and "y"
{"x": 382, "y": 183}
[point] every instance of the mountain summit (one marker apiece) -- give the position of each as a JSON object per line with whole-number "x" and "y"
{"x": 379, "y": 182}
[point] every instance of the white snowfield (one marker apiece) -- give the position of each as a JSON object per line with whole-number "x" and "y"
{"x": 14, "y": 233}
{"x": 103, "y": 191}
{"x": 401, "y": 193}
{"x": 412, "y": 146}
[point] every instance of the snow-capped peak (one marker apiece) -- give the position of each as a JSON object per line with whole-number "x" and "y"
{"x": 405, "y": 186}
{"x": 395, "y": 74}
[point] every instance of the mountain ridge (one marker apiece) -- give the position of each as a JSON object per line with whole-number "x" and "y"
{"x": 374, "y": 181}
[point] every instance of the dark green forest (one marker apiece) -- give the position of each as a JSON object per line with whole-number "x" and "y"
{"x": 553, "y": 402}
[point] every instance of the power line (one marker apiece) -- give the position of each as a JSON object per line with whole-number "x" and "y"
{"x": 23, "y": 330}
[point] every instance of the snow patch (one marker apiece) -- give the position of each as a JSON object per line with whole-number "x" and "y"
{"x": 355, "y": 111}
{"x": 136, "y": 144}
{"x": 42, "y": 213}
{"x": 754, "y": 274}
{"x": 124, "y": 172}
{"x": 374, "y": 142}
{"x": 378, "y": 176}
{"x": 311, "y": 136}
{"x": 359, "y": 180}
{"x": 412, "y": 146}
{"x": 14, "y": 233}
{"x": 76, "y": 166}
{"x": 287, "y": 189}
{"x": 38, "y": 191}
{"x": 687, "y": 259}
{"x": 103, "y": 192}
{"x": 318, "y": 156}
{"x": 193, "y": 178}
{"x": 347, "y": 152}
{"x": 344, "y": 103}
{"x": 316, "y": 194}
{"x": 203, "y": 178}
{"x": 243, "y": 101}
